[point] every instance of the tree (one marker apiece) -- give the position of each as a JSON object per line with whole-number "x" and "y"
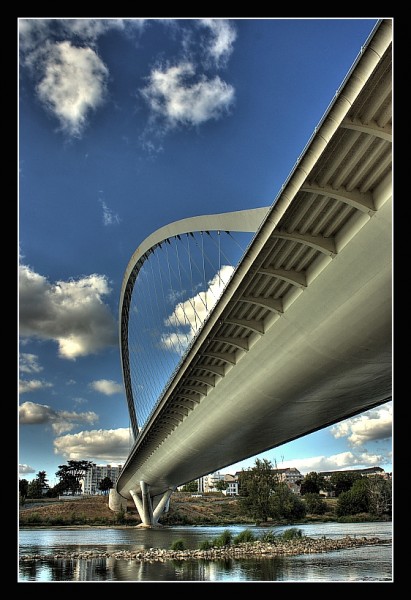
{"x": 355, "y": 500}
{"x": 23, "y": 487}
{"x": 56, "y": 491}
{"x": 315, "y": 505}
{"x": 191, "y": 486}
{"x": 285, "y": 504}
{"x": 105, "y": 484}
{"x": 42, "y": 477}
{"x": 71, "y": 474}
{"x": 312, "y": 483}
{"x": 379, "y": 495}
{"x": 221, "y": 485}
{"x": 35, "y": 489}
{"x": 342, "y": 482}
{"x": 257, "y": 485}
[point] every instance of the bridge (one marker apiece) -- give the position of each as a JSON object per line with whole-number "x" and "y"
{"x": 300, "y": 337}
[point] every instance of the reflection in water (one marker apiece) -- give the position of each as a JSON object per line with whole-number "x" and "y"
{"x": 369, "y": 563}
{"x": 374, "y": 565}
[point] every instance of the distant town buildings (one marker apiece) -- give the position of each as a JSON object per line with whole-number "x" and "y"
{"x": 364, "y": 472}
{"x": 97, "y": 473}
{"x": 291, "y": 476}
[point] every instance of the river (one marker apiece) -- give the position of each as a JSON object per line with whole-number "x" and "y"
{"x": 363, "y": 564}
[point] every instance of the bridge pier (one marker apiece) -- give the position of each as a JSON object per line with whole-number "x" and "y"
{"x": 116, "y": 502}
{"x": 144, "y": 504}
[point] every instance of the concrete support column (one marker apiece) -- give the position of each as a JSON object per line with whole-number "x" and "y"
{"x": 144, "y": 505}
{"x": 116, "y": 502}
{"x": 138, "y": 503}
{"x": 162, "y": 505}
{"x": 147, "y": 505}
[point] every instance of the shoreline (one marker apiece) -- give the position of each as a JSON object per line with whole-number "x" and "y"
{"x": 256, "y": 549}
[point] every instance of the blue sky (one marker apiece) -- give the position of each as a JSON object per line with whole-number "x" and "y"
{"x": 125, "y": 126}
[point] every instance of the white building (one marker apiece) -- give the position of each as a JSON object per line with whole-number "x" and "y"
{"x": 232, "y": 485}
{"x": 97, "y": 473}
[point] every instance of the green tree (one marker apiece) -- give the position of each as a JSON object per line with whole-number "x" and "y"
{"x": 342, "y": 482}
{"x": 257, "y": 485}
{"x": 191, "y": 486}
{"x": 221, "y": 485}
{"x": 71, "y": 474}
{"x": 315, "y": 505}
{"x": 285, "y": 504}
{"x": 35, "y": 489}
{"x": 379, "y": 495}
{"x": 42, "y": 477}
{"x": 105, "y": 484}
{"x": 355, "y": 500}
{"x": 23, "y": 488}
{"x": 312, "y": 483}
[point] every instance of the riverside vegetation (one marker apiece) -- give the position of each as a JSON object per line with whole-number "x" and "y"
{"x": 213, "y": 509}
{"x": 264, "y": 499}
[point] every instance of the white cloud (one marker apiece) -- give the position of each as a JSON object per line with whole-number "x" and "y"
{"x": 33, "y": 385}
{"x": 73, "y": 83}
{"x": 89, "y": 30}
{"x": 111, "y": 445}
{"x": 106, "y": 386}
{"x": 32, "y": 33}
{"x": 71, "y": 313}
{"x": 28, "y": 363}
{"x": 189, "y": 315}
{"x": 35, "y": 32}
{"x": 336, "y": 462}
{"x": 109, "y": 217}
{"x": 175, "y": 95}
{"x": 371, "y": 426}
{"x": 223, "y": 36}
{"x": 31, "y": 413}
{"x": 80, "y": 400}
{"x": 24, "y": 469}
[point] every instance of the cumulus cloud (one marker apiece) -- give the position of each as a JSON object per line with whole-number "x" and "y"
{"x": 180, "y": 98}
{"x": 71, "y": 313}
{"x": 28, "y": 363}
{"x": 188, "y": 316}
{"x": 73, "y": 83}
{"x": 111, "y": 445}
{"x": 32, "y": 33}
{"x": 61, "y": 421}
{"x": 223, "y": 36}
{"x": 109, "y": 217}
{"x": 371, "y": 426}
{"x": 106, "y": 386}
{"x": 61, "y": 55}
{"x": 336, "y": 462}
{"x": 24, "y": 469}
{"x": 33, "y": 385}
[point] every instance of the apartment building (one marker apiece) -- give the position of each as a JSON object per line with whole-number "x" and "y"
{"x": 97, "y": 473}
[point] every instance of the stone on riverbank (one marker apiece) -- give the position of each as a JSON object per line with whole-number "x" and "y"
{"x": 256, "y": 549}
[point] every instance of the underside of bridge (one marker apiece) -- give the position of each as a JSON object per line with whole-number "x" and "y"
{"x": 301, "y": 337}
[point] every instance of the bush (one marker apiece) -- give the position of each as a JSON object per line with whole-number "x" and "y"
{"x": 269, "y": 537}
{"x": 224, "y": 539}
{"x": 315, "y": 505}
{"x": 244, "y": 536}
{"x": 292, "y": 534}
{"x": 34, "y": 519}
{"x": 178, "y": 545}
{"x": 120, "y": 516}
{"x": 205, "y": 545}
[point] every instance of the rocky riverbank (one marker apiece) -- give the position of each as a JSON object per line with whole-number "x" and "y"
{"x": 243, "y": 550}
